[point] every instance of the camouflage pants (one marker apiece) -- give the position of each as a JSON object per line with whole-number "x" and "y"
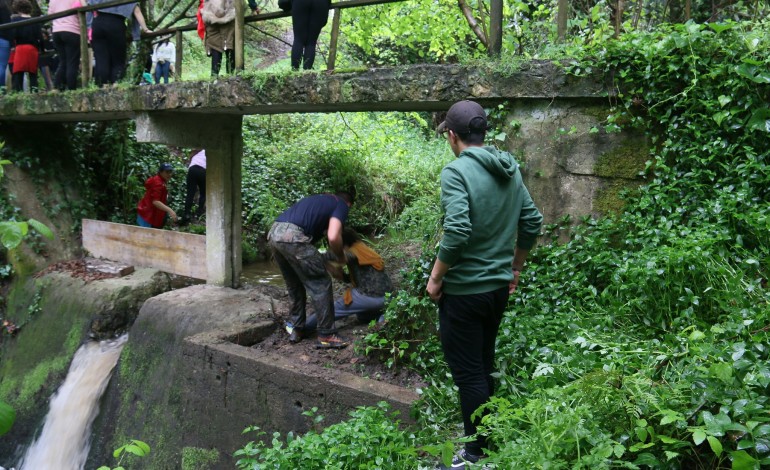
{"x": 304, "y": 271}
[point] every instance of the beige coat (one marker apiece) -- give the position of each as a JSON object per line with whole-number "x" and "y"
{"x": 219, "y": 18}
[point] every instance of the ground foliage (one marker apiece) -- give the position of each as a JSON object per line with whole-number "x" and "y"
{"x": 642, "y": 342}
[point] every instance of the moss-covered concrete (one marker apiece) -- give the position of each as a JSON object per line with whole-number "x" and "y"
{"x": 186, "y": 384}
{"x": 55, "y": 313}
{"x": 195, "y": 458}
{"x": 412, "y": 88}
{"x": 627, "y": 160}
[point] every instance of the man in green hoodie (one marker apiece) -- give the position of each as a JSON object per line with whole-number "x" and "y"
{"x": 490, "y": 224}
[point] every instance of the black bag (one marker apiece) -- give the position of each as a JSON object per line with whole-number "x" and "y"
{"x": 284, "y": 5}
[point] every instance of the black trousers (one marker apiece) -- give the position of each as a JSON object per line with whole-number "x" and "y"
{"x": 308, "y": 17}
{"x": 216, "y": 61}
{"x": 67, "y": 46}
{"x": 196, "y": 180}
{"x": 108, "y": 41}
{"x": 468, "y": 327}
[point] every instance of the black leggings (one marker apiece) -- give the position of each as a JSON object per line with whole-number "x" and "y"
{"x": 308, "y": 17}
{"x": 196, "y": 179}
{"x": 108, "y": 41}
{"x": 17, "y": 81}
{"x": 68, "y": 47}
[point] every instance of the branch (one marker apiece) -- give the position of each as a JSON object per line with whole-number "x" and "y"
{"x": 473, "y": 23}
{"x": 180, "y": 16}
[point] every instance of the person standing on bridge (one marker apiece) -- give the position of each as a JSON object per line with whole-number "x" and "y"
{"x": 66, "y": 40}
{"x": 28, "y": 41}
{"x": 292, "y": 238}
{"x": 490, "y": 224}
{"x": 163, "y": 57}
{"x": 108, "y": 39}
{"x": 152, "y": 209}
{"x": 6, "y": 37}
{"x": 219, "y": 19}
{"x": 308, "y": 17}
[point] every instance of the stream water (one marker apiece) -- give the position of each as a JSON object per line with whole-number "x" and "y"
{"x": 261, "y": 273}
{"x": 64, "y": 442}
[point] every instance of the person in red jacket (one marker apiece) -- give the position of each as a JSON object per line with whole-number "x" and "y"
{"x": 152, "y": 209}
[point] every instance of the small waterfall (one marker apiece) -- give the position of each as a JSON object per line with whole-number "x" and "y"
{"x": 64, "y": 442}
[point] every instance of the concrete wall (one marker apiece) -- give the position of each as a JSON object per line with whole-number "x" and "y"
{"x": 188, "y": 378}
{"x": 568, "y": 168}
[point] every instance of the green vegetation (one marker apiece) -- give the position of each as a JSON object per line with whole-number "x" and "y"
{"x": 642, "y": 340}
{"x": 134, "y": 447}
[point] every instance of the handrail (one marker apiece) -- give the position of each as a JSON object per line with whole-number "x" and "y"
{"x": 63, "y": 13}
{"x": 177, "y": 30}
{"x": 189, "y": 27}
{"x": 275, "y": 14}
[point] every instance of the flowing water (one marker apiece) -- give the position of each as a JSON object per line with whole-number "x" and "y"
{"x": 64, "y": 442}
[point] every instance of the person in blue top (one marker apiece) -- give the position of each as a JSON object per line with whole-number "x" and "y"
{"x": 292, "y": 240}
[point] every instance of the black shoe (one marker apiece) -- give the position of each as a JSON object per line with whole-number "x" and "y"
{"x": 331, "y": 342}
{"x": 463, "y": 460}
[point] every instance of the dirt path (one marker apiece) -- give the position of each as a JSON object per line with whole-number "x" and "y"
{"x": 275, "y": 47}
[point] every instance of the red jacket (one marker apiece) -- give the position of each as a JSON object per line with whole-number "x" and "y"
{"x": 155, "y": 190}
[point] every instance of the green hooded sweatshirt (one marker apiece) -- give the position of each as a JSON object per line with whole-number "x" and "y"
{"x": 487, "y": 209}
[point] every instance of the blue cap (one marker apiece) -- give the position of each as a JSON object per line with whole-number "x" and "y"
{"x": 165, "y": 167}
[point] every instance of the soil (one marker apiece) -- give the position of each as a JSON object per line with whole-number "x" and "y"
{"x": 349, "y": 359}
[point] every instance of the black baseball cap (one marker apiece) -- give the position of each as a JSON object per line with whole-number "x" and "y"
{"x": 165, "y": 167}
{"x": 464, "y": 117}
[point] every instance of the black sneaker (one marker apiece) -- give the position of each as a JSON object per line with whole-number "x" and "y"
{"x": 462, "y": 460}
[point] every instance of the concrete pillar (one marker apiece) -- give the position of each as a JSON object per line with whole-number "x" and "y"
{"x": 221, "y": 136}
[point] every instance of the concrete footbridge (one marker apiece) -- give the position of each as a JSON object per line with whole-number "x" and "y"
{"x": 208, "y": 114}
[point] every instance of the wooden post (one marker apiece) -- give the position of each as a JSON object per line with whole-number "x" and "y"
{"x": 333, "y": 41}
{"x": 85, "y": 58}
{"x": 495, "y": 27}
{"x": 179, "y": 54}
{"x": 239, "y": 35}
{"x": 561, "y": 19}
{"x": 619, "y": 17}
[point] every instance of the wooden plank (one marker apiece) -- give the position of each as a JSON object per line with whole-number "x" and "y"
{"x": 169, "y": 251}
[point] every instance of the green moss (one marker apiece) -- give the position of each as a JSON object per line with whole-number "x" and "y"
{"x": 626, "y": 161}
{"x": 23, "y": 265}
{"x": 194, "y": 458}
{"x": 7, "y": 386}
{"x": 608, "y": 199}
{"x": 36, "y": 379}
{"x": 346, "y": 92}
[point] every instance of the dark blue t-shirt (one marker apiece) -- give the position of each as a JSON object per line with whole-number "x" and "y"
{"x": 313, "y": 213}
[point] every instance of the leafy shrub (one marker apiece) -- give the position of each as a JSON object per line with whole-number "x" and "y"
{"x": 370, "y": 439}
